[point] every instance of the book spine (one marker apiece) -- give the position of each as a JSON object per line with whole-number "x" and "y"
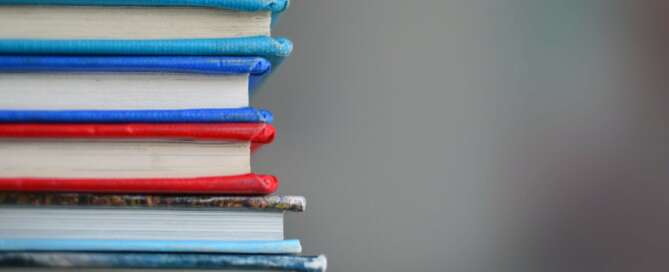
{"x": 275, "y": 6}
{"x": 271, "y": 48}
{"x": 249, "y": 184}
{"x": 286, "y": 203}
{"x": 181, "y": 64}
{"x": 254, "y": 132}
{"x": 240, "y": 115}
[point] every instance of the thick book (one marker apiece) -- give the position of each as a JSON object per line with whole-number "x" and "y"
{"x": 80, "y": 221}
{"x": 236, "y": 115}
{"x": 189, "y": 262}
{"x": 141, "y": 19}
{"x": 273, "y": 49}
{"x": 126, "y": 153}
{"x": 128, "y": 83}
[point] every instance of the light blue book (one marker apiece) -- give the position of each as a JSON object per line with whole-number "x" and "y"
{"x": 241, "y": 247}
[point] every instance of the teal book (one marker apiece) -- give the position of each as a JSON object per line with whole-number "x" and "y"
{"x": 271, "y": 7}
{"x": 142, "y": 27}
{"x": 273, "y": 49}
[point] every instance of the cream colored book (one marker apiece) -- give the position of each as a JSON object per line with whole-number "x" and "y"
{"x": 129, "y": 22}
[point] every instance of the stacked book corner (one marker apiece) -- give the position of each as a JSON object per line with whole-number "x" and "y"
{"x": 126, "y": 137}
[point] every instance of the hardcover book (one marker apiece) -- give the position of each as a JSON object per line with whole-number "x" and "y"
{"x": 118, "y": 222}
{"x": 154, "y": 245}
{"x": 247, "y": 184}
{"x": 237, "y": 115}
{"x": 197, "y": 262}
{"x": 273, "y": 49}
{"x": 154, "y": 201}
{"x": 126, "y": 153}
{"x": 136, "y": 19}
{"x": 128, "y": 83}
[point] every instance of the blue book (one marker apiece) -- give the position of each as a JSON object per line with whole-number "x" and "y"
{"x": 239, "y": 115}
{"x": 128, "y": 82}
{"x": 245, "y": 247}
{"x": 210, "y": 65}
{"x": 273, "y": 49}
{"x": 274, "y": 6}
{"x": 163, "y": 261}
{"x": 255, "y": 68}
{"x": 143, "y": 27}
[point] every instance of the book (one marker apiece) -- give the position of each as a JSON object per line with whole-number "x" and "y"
{"x": 275, "y": 6}
{"x": 246, "y": 184}
{"x": 86, "y": 221}
{"x": 140, "y": 201}
{"x": 128, "y": 83}
{"x": 128, "y": 152}
{"x": 122, "y": 261}
{"x": 137, "y": 246}
{"x": 236, "y": 115}
{"x": 136, "y": 19}
{"x": 272, "y": 49}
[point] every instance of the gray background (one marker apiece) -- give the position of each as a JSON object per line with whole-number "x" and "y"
{"x": 472, "y": 135}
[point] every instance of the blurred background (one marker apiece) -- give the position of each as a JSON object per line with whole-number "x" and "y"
{"x": 475, "y": 135}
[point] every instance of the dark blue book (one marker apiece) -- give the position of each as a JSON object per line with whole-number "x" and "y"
{"x": 34, "y": 260}
{"x": 128, "y": 82}
{"x": 241, "y": 115}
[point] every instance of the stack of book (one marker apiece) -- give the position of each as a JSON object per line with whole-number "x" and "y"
{"x": 126, "y": 136}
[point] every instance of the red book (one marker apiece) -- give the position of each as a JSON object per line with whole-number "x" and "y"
{"x": 257, "y": 133}
{"x": 249, "y": 184}
{"x": 128, "y": 182}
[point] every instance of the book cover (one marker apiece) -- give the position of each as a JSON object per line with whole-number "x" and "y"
{"x": 275, "y": 6}
{"x": 248, "y": 184}
{"x": 239, "y": 115}
{"x": 272, "y": 49}
{"x": 163, "y": 261}
{"x": 259, "y": 133}
{"x": 184, "y": 246}
{"x": 95, "y": 200}
{"x": 256, "y": 67}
